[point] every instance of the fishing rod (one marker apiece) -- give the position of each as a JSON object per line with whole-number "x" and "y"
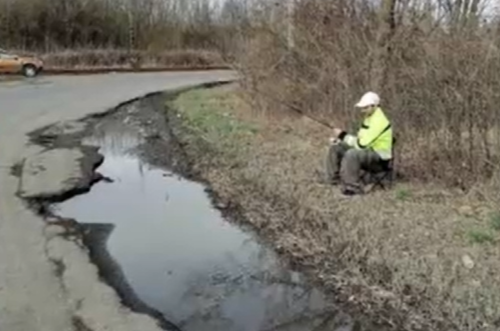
{"x": 290, "y": 107}
{"x": 297, "y": 110}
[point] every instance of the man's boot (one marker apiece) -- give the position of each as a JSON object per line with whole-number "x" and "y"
{"x": 322, "y": 178}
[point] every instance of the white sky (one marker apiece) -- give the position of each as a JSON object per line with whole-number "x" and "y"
{"x": 491, "y": 7}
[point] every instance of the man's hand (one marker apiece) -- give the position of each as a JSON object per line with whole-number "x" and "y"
{"x": 334, "y": 141}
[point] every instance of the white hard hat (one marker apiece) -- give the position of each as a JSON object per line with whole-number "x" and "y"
{"x": 368, "y": 99}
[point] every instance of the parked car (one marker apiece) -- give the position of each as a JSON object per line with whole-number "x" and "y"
{"x": 14, "y": 64}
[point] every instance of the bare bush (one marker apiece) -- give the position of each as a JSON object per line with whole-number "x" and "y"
{"x": 434, "y": 63}
{"x": 126, "y": 59}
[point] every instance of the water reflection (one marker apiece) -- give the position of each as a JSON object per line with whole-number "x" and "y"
{"x": 179, "y": 255}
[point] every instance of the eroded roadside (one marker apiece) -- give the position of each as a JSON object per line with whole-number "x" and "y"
{"x": 64, "y": 142}
{"x": 160, "y": 147}
{"x": 63, "y": 169}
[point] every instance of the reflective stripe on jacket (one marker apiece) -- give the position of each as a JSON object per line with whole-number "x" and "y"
{"x": 375, "y": 134}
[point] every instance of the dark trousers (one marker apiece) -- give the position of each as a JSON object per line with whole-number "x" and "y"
{"x": 344, "y": 164}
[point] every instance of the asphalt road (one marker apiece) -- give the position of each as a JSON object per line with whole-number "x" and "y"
{"x": 33, "y": 295}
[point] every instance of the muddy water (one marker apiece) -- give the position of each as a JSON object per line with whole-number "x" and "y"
{"x": 180, "y": 257}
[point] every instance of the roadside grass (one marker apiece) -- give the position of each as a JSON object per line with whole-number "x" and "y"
{"x": 397, "y": 254}
{"x": 208, "y": 115}
{"x": 495, "y": 221}
{"x": 403, "y": 194}
{"x": 479, "y": 236}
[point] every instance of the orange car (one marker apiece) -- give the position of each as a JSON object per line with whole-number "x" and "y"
{"x": 14, "y": 64}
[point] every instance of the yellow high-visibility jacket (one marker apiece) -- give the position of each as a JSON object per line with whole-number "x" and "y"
{"x": 374, "y": 134}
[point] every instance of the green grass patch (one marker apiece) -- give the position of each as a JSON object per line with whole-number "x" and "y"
{"x": 495, "y": 221}
{"x": 478, "y": 236}
{"x": 209, "y": 113}
{"x": 403, "y": 195}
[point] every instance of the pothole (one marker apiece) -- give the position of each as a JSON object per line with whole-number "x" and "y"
{"x": 157, "y": 239}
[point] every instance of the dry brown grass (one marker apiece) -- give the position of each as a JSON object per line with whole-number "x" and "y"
{"x": 110, "y": 58}
{"x": 401, "y": 256}
{"x": 439, "y": 84}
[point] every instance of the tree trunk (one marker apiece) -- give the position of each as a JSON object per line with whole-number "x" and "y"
{"x": 387, "y": 26}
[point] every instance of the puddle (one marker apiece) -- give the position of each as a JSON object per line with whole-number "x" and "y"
{"x": 180, "y": 257}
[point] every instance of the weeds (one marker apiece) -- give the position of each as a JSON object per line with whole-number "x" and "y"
{"x": 486, "y": 236}
{"x": 495, "y": 221}
{"x": 214, "y": 121}
{"x": 408, "y": 252}
{"x": 436, "y": 75}
{"x": 403, "y": 194}
{"x": 480, "y": 237}
{"x": 115, "y": 58}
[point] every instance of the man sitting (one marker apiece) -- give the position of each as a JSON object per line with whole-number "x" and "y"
{"x": 368, "y": 150}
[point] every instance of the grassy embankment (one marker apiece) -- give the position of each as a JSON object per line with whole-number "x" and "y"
{"x": 417, "y": 255}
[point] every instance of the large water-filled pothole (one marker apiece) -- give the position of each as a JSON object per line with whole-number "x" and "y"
{"x": 175, "y": 253}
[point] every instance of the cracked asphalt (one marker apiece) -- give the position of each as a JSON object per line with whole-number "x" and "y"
{"x": 47, "y": 283}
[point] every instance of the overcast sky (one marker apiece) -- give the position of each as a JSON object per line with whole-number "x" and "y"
{"x": 491, "y": 6}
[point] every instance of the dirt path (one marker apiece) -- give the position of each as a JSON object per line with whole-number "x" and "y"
{"x": 34, "y": 295}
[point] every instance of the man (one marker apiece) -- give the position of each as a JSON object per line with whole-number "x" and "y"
{"x": 368, "y": 150}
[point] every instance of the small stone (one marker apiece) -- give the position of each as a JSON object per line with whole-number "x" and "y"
{"x": 466, "y": 210}
{"x": 467, "y": 262}
{"x": 221, "y": 205}
{"x": 295, "y": 277}
{"x": 385, "y": 294}
{"x": 476, "y": 283}
{"x": 432, "y": 257}
{"x": 52, "y": 219}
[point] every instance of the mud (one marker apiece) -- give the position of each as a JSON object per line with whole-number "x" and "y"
{"x": 176, "y": 257}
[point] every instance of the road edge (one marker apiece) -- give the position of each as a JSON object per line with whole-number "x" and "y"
{"x": 95, "y": 305}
